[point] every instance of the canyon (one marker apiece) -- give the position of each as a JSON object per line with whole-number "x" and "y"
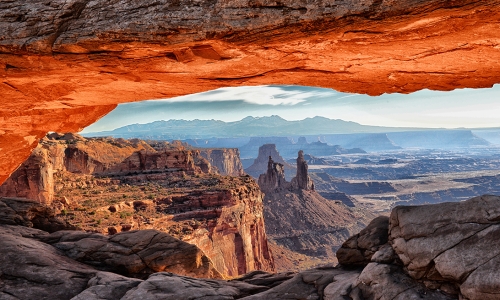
{"x": 65, "y": 68}
{"x": 300, "y": 219}
{"x": 110, "y": 185}
{"x": 392, "y": 258}
{"x": 65, "y": 64}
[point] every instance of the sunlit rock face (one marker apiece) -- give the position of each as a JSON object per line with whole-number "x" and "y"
{"x": 221, "y": 215}
{"x": 64, "y": 64}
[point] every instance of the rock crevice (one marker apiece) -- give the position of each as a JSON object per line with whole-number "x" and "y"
{"x": 451, "y": 247}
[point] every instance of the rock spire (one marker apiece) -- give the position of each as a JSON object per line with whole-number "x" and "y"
{"x": 274, "y": 178}
{"x": 302, "y": 180}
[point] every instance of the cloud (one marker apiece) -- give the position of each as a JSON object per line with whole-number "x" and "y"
{"x": 260, "y": 95}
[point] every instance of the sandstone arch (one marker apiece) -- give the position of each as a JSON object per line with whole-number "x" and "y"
{"x": 64, "y": 64}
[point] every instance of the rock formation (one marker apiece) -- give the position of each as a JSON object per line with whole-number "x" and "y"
{"x": 288, "y": 148}
{"x": 34, "y": 179}
{"x": 227, "y": 161}
{"x": 34, "y": 269}
{"x": 138, "y": 253}
{"x": 448, "y": 247}
{"x": 302, "y": 181}
{"x": 68, "y": 66}
{"x": 234, "y": 236}
{"x": 300, "y": 219}
{"x": 261, "y": 163}
{"x": 30, "y": 213}
{"x": 274, "y": 178}
{"x": 358, "y": 250}
{"x": 452, "y": 246}
{"x": 64, "y": 69}
{"x": 113, "y": 185}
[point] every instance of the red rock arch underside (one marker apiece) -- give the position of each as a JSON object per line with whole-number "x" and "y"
{"x": 65, "y": 64}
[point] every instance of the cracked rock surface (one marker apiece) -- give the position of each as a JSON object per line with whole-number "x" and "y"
{"x": 136, "y": 253}
{"x": 30, "y": 213}
{"x": 436, "y": 252}
{"x": 359, "y": 249}
{"x": 455, "y": 243}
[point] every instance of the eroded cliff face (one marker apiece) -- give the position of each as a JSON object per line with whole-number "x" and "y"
{"x": 453, "y": 246}
{"x": 226, "y": 161}
{"x": 113, "y": 185}
{"x": 64, "y": 64}
{"x": 44, "y": 172}
{"x": 235, "y": 239}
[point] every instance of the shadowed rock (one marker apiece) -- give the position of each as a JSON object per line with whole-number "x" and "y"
{"x": 134, "y": 253}
{"x": 30, "y": 213}
{"x": 302, "y": 180}
{"x": 274, "y": 178}
{"x": 359, "y": 249}
{"x": 468, "y": 269}
{"x": 453, "y": 243}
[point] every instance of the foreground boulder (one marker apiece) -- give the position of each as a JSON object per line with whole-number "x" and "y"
{"x": 134, "y": 253}
{"x": 448, "y": 247}
{"x": 452, "y": 246}
{"x": 430, "y": 252}
{"x": 359, "y": 249}
{"x": 30, "y": 213}
{"x": 34, "y": 270}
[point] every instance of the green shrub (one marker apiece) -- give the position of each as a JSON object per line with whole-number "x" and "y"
{"x": 125, "y": 214}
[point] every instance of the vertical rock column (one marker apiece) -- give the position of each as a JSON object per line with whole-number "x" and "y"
{"x": 274, "y": 177}
{"x": 302, "y": 180}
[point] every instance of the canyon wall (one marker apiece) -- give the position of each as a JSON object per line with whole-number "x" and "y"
{"x": 454, "y": 246}
{"x": 34, "y": 179}
{"x": 65, "y": 64}
{"x": 111, "y": 185}
{"x": 236, "y": 241}
{"x": 227, "y": 161}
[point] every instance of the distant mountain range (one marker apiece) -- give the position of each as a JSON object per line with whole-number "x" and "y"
{"x": 317, "y": 136}
{"x": 247, "y": 127}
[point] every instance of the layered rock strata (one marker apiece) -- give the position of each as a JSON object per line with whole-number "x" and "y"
{"x": 447, "y": 247}
{"x": 58, "y": 154}
{"x": 65, "y": 68}
{"x": 234, "y": 236}
{"x": 227, "y": 161}
{"x": 113, "y": 185}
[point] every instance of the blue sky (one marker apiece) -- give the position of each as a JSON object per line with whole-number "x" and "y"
{"x": 459, "y": 108}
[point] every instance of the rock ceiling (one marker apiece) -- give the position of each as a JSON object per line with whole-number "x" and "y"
{"x": 66, "y": 63}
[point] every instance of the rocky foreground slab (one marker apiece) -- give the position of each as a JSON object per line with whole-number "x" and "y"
{"x": 442, "y": 251}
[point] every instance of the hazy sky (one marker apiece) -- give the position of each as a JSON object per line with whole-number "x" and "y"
{"x": 458, "y": 108}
